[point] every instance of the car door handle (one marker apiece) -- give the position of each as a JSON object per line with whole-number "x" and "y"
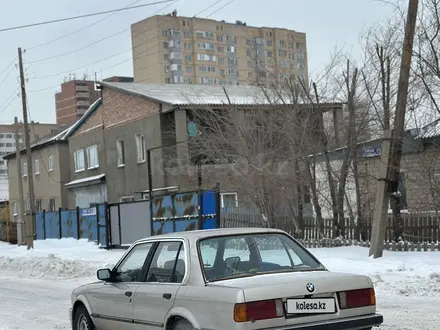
{"x": 166, "y": 296}
{"x": 128, "y": 293}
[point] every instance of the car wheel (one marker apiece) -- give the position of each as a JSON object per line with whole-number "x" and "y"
{"x": 82, "y": 320}
{"x": 182, "y": 325}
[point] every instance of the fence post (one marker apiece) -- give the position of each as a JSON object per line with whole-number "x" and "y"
{"x": 78, "y": 228}
{"x": 97, "y": 223}
{"x": 44, "y": 224}
{"x": 217, "y": 205}
{"x": 107, "y": 224}
{"x": 60, "y": 223}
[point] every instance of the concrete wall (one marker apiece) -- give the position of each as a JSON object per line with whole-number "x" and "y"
{"x": 48, "y": 184}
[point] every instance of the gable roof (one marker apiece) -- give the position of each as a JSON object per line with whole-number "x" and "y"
{"x": 185, "y": 94}
{"x": 59, "y": 136}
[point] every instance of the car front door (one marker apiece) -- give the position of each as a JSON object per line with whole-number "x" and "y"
{"x": 113, "y": 302}
{"x": 155, "y": 297}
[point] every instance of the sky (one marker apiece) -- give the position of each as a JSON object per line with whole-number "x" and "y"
{"x": 326, "y": 23}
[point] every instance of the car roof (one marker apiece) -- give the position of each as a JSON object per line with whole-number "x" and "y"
{"x": 206, "y": 233}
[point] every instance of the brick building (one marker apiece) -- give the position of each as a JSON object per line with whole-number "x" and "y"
{"x": 73, "y": 100}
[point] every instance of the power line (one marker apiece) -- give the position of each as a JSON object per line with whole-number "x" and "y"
{"x": 8, "y": 66}
{"x": 7, "y": 75}
{"x": 96, "y": 42}
{"x": 143, "y": 54}
{"x": 8, "y": 104}
{"x": 82, "y": 16}
{"x": 79, "y": 30}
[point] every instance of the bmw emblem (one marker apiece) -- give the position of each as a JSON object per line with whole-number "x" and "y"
{"x": 310, "y": 287}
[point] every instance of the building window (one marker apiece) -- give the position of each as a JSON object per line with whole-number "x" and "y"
{"x": 9, "y": 136}
{"x": 186, "y": 34}
{"x": 231, "y": 49}
{"x": 248, "y": 41}
{"x": 51, "y": 205}
{"x": 188, "y": 69}
{"x": 37, "y": 166}
{"x": 38, "y": 205}
{"x": 121, "y": 152}
{"x": 78, "y": 158}
{"x": 269, "y": 43}
{"x": 188, "y": 58}
{"x": 221, "y": 60}
{"x": 24, "y": 169}
{"x": 229, "y": 200}
{"x": 220, "y": 49}
{"x": 27, "y": 206}
{"x": 249, "y": 74}
{"x": 140, "y": 147}
{"x": 92, "y": 157}
{"x": 165, "y": 44}
{"x": 15, "y": 208}
{"x": 50, "y": 163}
{"x": 127, "y": 199}
{"x": 248, "y": 53}
{"x": 219, "y": 37}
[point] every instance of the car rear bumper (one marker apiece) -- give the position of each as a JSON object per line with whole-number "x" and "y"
{"x": 352, "y": 323}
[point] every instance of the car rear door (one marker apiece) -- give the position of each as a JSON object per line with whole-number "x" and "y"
{"x": 155, "y": 297}
{"x": 112, "y": 304}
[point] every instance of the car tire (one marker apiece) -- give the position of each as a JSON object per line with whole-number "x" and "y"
{"x": 182, "y": 325}
{"x": 82, "y": 320}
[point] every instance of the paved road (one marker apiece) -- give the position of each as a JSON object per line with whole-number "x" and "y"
{"x": 29, "y": 304}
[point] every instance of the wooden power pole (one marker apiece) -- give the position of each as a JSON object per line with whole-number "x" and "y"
{"x": 20, "y": 183}
{"x": 30, "y": 218}
{"x": 392, "y": 141}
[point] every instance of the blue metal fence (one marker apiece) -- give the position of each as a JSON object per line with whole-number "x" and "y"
{"x": 87, "y": 223}
{"x": 181, "y": 212}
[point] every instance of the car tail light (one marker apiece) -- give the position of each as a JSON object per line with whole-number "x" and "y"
{"x": 258, "y": 310}
{"x": 356, "y": 298}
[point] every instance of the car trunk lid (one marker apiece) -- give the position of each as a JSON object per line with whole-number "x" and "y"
{"x": 293, "y": 288}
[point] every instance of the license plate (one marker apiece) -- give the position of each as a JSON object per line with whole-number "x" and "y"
{"x": 311, "y": 306}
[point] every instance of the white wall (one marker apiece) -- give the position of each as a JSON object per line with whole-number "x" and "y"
{"x": 323, "y": 188}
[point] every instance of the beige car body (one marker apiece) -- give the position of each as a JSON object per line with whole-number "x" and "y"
{"x": 211, "y": 305}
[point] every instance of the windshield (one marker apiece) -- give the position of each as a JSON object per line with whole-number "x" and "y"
{"x": 233, "y": 256}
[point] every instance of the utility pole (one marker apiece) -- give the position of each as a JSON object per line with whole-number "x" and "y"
{"x": 30, "y": 219}
{"x": 20, "y": 183}
{"x": 392, "y": 142}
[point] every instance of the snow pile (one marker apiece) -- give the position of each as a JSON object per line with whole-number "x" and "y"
{"x": 56, "y": 259}
{"x": 403, "y": 273}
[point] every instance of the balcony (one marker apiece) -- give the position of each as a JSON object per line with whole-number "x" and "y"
{"x": 83, "y": 103}
{"x": 84, "y": 95}
{"x": 82, "y": 88}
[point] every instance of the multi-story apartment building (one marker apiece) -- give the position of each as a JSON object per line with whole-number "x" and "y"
{"x": 175, "y": 50}
{"x": 7, "y": 139}
{"x": 7, "y": 146}
{"x": 73, "y": 100}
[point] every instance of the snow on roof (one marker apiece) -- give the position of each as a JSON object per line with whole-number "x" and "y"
{"x": 85, "y": 180}
{"x": 185, "y": 94}
{"x": 429, "y": 131}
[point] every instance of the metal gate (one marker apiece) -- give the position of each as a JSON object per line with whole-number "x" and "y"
{"x": 129, "y": 222}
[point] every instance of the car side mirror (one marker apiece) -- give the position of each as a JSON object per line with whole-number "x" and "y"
{"x": 104, "y": 274}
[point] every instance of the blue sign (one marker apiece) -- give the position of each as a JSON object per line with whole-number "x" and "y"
{"x": 192, "y": 129}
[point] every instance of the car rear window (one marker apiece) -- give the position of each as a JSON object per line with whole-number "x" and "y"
{"x": 225, "y": 257}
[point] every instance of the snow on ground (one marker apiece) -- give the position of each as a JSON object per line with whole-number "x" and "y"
{"x": 404, "y": 273}
{"x": 35, "y": 285}
{"x": 56, "y": 259}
